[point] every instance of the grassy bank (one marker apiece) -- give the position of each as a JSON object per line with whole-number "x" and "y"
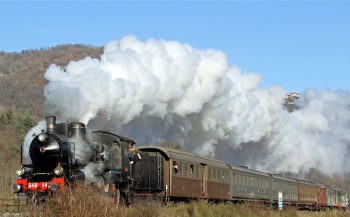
{"x": 84, "y": 201}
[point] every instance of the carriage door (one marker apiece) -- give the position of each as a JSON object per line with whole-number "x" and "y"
{"x": 204, "y": 180}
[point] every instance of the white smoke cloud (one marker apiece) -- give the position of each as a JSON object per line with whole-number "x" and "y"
{"x": 82, "y": 150}
{"x": 316, "y": 135}
{"x": 93, "y": 171}
{"x": 161, "y": 90}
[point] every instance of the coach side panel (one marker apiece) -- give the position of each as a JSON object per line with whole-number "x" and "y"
{"x": 185, "y": 179}
{"x": 307, "y": 195}
{"x": 218, "y": 183}
{"x": 249, "y": 186}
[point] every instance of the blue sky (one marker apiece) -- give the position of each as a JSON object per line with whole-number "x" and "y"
{"x": 296, "y": 44}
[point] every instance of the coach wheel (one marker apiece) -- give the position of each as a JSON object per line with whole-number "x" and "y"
{"x": 165, "y": 200}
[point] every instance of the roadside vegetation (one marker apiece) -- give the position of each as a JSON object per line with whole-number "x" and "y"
{"x": 87, "y": 202}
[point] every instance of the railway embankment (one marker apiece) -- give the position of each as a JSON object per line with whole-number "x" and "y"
{"x": 87, "y": 202}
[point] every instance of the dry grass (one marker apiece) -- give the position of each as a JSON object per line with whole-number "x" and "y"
{"x": 7, "y": 175}
{"x": 84, "y": 201}
{"x": 81, "y": 201}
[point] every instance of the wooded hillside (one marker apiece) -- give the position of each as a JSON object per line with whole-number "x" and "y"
{"x": 22, "y": 74}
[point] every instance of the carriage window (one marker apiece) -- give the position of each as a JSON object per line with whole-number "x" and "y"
{"x": 196, "y": 171}
{"x": 223, "y": 177}
{"x": 218, "y": 175}
{"x": 185, "y": 169}
{"x": 176, "y": 167}
{"x": 191, "y": 171}
{"x": 191, "y": 168}
{"x": 234, "y": 177}
{"x": 180, "y": 173}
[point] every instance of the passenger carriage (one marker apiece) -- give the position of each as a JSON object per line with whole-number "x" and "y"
{"x": 249, "y": 185}
{"x": 180, "y": 175}
{"x": 288, "y": 187}
{"x": 321, "y": 197}
{"x": 307, "y": 195}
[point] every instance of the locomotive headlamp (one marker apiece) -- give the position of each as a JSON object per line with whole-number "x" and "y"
{"x": 42, "y": 137}
{"x": 20, "y": 171}
{"x": 16, "y": 188}
{"x": 58, "y": 170}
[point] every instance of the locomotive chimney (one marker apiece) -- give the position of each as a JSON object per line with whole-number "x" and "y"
{"x": 77, "y": 130}
{"x": 50, "y": 123}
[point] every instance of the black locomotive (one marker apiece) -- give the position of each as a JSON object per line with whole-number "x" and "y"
{"x": 64, "y": 153}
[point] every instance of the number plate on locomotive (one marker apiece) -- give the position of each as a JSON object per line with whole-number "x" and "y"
{"x": 37, "y": 185}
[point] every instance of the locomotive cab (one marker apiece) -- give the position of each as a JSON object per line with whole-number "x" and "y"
{"x": 112, "y": 149}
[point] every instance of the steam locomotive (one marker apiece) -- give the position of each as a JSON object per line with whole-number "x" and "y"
{"x": 61, "y": 155}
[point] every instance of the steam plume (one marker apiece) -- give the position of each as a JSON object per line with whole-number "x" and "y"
{"x": 157, "y": 90}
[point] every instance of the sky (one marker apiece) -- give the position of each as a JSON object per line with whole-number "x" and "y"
{"x": 295, "y": 44}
